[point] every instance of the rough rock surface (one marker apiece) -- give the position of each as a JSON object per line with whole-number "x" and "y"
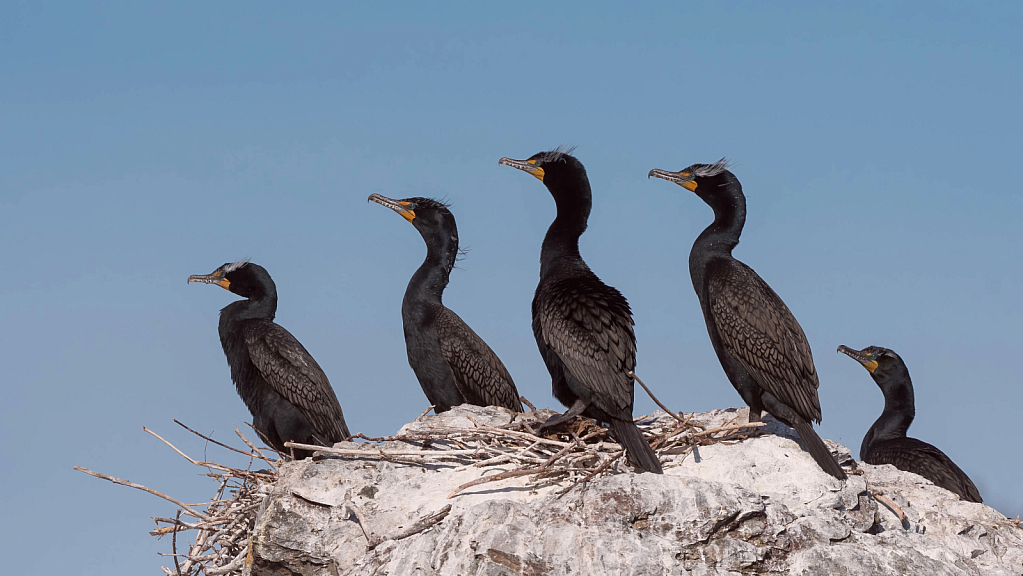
{"x": 761, "y": 506}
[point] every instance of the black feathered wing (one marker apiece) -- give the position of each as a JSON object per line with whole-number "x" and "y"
{"x": 478, "y": 373}
{"x": 758, "y": 329}
{"x": 921, "y": 458}
{"x": 589, "y": 326}
{"x": 293, "y": 373}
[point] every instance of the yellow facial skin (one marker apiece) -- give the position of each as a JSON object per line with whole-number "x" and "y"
{"x": 524, "y": 165}
{"x": 866, "y": 360}
{"x": 215, "y": 278}
{"x": 409, "y": 215}
{"x": 537, "y": 171}
{"x": 683, "y": 179}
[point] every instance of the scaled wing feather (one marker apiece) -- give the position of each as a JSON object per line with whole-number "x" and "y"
{"x": 478, "y": 372}
{"x": 757, "y": 328}
{"x": 293, "y": 373}
{"x": 589, "y": 326}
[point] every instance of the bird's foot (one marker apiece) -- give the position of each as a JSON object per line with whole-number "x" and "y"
{"x": 754, "y": 416}
{"x": 575, "y": 410}
{"x": 553, "y": 421}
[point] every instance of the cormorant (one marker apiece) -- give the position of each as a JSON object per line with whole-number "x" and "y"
{"x": 886, "y": 441}
{"x": 452, "y": 363}
{"x": 761, "y": 347}
{"x": 582, "y": 326}
{"x": 284, "y": 388}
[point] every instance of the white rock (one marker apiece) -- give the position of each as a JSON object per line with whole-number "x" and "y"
{"x": 761, "y": 506}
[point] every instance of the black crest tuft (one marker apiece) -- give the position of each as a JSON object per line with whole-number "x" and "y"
{"x": 420, "y": 203}
{"x": 556, "y": 155}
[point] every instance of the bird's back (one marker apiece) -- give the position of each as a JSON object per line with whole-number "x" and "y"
{"x": 756, "y": 327}
{"x": 919, "y": 457}
{"x": 586, "y": 325}
{"x": 290, "y": 371}
{"x": 478, "y": 372}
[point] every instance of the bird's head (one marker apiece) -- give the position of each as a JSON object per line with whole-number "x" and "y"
{"x": 244, "y": 278}
{"x": 884, "y": 365}
{"x": 562, "y": 173}
{"x": 714, "y": 183}
{"x": 429, "y": 216}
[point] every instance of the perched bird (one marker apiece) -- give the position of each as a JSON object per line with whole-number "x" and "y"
{"x": 886, "y": 441}
{"x": 582, "y": 326}
{"x": 284, "y": 388}
{"x": 757, "y": 340}
{"x": 452, "y": 363}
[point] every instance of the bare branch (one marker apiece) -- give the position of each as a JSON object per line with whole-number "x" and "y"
{"x": 495, "y": 478}
{"x": 221, "y": 444}
{"x": 423, "y": 523}
{"x": 272, "y": 463}
{"x": 654, "y": 398}
{"x": 371, "y": 540}
{"x": 895, "y": 508}
{"x": 191, "y": 511}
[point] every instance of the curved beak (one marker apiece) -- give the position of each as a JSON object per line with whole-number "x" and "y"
{"x": 524, "y": 165}
{"x": 860, "y": 357}
{"x": 399, "y": 206}
{"x": 215, "y": 278}
{"x": 683, "y": 179}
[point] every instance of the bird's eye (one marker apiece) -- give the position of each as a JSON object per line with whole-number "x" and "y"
{"x": 873, "y": 356}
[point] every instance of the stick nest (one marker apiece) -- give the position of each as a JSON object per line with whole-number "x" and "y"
{"x": 571, "y": 454}
{"x": 222, "y": 526}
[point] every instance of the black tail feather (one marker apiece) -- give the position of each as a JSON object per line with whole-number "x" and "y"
{"x": 815, "y": 446}
{"x": 638, "y": 451}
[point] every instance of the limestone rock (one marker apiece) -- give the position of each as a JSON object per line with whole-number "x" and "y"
{"x": 760, "y": 506}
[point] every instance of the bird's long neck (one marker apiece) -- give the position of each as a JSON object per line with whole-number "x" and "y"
{"x": 561, "y": 244}
{"x": 232, "y": 315}
{"x": 899, "y": 410}
{"x": 718, "y": 239}
{"x": 423, "y": 295}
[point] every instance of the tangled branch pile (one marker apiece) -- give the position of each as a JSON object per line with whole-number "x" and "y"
{"x": 575, "y": 452}
{"x": 223, "y": 528}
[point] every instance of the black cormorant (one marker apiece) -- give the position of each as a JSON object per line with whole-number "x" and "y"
{"x": 284, "y": 388}
{"x": 760, "y": 345}
{"x": 582, "y": 326}
{"x": 886, "y": 441}
{"x": 452, "y": 363}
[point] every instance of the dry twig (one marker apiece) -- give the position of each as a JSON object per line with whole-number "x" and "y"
{"x": 423, "y": 523}
{"x": 191, "y": 511}
{"x": 371, "y": 541}
{"x": 654, "y": 398}
{"x": 880, "y": 497}
{"x": 223, "y": 530}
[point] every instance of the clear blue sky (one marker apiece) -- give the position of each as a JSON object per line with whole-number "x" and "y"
{"x": 878, "y": 145}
